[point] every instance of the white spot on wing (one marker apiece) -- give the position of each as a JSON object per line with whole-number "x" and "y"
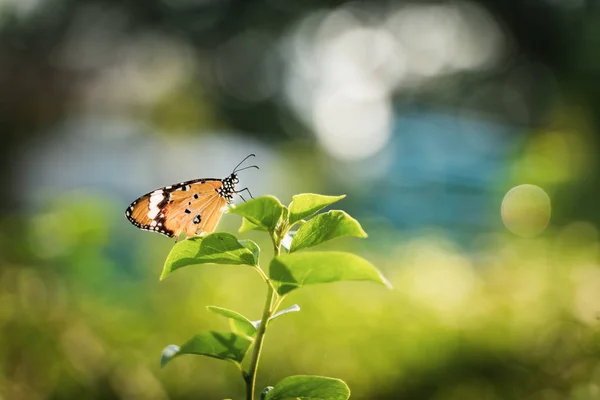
{"x": 155, "y": 198}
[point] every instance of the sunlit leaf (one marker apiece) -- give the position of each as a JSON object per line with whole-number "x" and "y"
{"x": 168, "y": 353}
{"x": 249, "y": 226}
{"x": 221, "y": 345}
{"x": 253, "y": 247}
{"x": 306, "y": 204}
{"x": 292, "y": 271}
{"x": 216, "y": 248}
{"x": 324, "y": 227}
{"x": 286, "y": 242}
{"x": 285, "y": 213}
{"x": 306, "y": 387}
{"x": 240, "y": 324}
{"x": 264, "y": 211}
{"x": 294, "y": 308}
{"x": 265, "y": 391}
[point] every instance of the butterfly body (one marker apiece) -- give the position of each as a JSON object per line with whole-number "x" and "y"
{"x": 192, "y": 207}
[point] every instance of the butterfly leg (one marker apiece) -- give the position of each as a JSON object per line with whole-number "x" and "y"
{"x": 244, "y": 190}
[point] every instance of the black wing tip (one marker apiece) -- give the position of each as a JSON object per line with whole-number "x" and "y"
{"x": 147, "y": 228}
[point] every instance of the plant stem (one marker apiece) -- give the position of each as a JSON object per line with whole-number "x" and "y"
{"x": 260, "y": 336}
{"x": 262, "y": 274}
{"x": 270, "y": 302}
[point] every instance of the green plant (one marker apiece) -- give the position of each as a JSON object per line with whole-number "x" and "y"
{"x": 287, "y": 272}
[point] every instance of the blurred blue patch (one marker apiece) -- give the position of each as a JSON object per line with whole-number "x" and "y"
{"x": 446, "y": 171}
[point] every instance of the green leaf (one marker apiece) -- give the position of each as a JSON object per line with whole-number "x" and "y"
{"x": 253, "y": 247}
{"x": 240, "y": 324}
{"x": 285, "y": 213}
{"x": 294, "y": 308}
{"x": 325, "y": 227}
{"x": 292, "y": 271}
{"x": 216, "y": 248}
{"x": 306, "y": 204}
{"x": 249, "y": 226}
{"x": 264, "y": 212}
{"x": 306, "y": 387}
{"x": 168, "y": 353}
{"x": 263, "y": 394}
{"x": 221, "y": 345}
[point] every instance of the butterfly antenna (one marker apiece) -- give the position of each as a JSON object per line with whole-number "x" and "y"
{"x": 241, "y": 162}
{"x": 251, "y": 166}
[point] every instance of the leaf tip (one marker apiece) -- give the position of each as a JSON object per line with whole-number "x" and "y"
{"x": 263, "y": 394}
{"x": 163, "y": 274}
{"x": 387, "y": 283}
{"x": 168, "y": 353}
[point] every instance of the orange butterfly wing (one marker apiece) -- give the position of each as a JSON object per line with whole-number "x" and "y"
{"x": 194, "y": 211}
{"x": 193, "y": 206}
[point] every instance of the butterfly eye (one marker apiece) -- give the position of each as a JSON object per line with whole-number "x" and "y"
{"x": 236, "y": 180}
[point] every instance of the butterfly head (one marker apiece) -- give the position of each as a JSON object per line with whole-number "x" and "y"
{"x": 231, "y": 181}
{"x": 228, "y": 189}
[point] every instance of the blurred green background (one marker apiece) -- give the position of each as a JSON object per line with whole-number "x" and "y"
{"x": 426, "y": 113}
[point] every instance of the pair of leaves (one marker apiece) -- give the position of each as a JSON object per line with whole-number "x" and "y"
{"x": 264, "y": 213}
{"x": 231, "y": 346}
{"x": 287, "y": 272}
{"x": 241, "y": 324}
{"x": 308, "y": 387}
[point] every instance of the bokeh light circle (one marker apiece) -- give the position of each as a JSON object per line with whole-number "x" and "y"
{"x": 526, "y": 210}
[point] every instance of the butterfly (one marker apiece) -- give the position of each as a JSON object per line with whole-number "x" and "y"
{"x": 192, "y": 207}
